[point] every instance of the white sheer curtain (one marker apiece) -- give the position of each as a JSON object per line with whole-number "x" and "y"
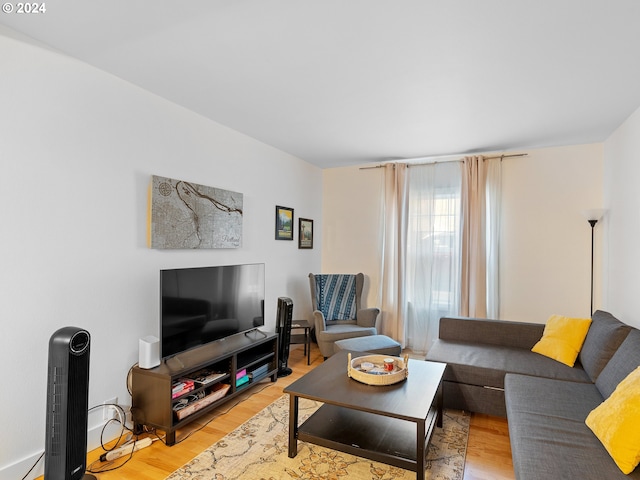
{"x": 494, "y": 207}
{"x": 425, "y": 272}
{"x": 433, "y": 250}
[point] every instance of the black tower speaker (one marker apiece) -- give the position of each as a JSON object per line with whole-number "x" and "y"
{"x": 283, "y": 328}
{"x": 67, "y": 405}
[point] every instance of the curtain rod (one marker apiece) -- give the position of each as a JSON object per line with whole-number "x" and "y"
{"x": 452, "y": 160}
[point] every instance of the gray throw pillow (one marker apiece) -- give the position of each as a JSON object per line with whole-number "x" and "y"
{"x": 623, "y": 362}
{"x": 605, "y": 335}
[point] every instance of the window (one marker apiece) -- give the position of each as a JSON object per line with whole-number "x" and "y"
{"x": 433, "y": 250}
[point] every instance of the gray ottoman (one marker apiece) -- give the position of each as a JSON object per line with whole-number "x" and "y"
{"x": 380, "y": 344}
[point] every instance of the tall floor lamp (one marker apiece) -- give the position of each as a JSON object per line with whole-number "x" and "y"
{"x": 593, "y": 216}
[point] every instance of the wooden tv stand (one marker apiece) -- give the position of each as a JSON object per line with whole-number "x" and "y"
{"x": 154, "y": 404}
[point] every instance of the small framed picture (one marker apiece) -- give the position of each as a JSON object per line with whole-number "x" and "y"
{"x": 284, "y": 223}
{"x": 305, "y": 233}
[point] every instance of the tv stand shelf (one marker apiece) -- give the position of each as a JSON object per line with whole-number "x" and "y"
{"x": 217, "y": 366}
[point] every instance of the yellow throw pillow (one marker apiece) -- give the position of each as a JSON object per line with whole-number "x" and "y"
{"x": 563, "y": 338}
{"x": 616, "y": 423}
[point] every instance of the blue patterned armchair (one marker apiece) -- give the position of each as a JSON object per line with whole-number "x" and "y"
{"x": 337, "y": 309}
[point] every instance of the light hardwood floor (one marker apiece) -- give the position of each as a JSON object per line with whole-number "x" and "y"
{"x": 488, "y": 451}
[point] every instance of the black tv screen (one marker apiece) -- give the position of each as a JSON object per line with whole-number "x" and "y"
{"x": 204, "y": 304}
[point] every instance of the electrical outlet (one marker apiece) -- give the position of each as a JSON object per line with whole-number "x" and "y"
{"x": 109, "y": 412}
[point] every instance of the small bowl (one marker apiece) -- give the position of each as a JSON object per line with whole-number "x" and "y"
{"x": 366, "y": 366}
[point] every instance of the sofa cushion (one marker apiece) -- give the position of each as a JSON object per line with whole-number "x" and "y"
{"x": 605, "y": 336}
{"x": 563, "y": 338}
{"x": 616, "y": 423}
{"x": 548, "y": 397}
{"x": 549, "y": 438}
{"x": 380, "y": 344}
{"x": 622, "y": 363}
{"x": 493, "y": 332}
{"x": 486, "y": 365}
{"x": 340, "y": 330}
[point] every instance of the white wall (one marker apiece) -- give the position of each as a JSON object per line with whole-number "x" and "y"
{"x": 77, "y": 151}
{"x": 546, "y": 242}
{"x": 545, "y": 253}
{"x": 351, "y": 225}
{"x": 622, "y": 222}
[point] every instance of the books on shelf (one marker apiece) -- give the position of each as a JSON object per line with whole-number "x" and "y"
{"x": 260, "y": 371}
{"x": 243, "y": 376}
{"x": 242, "y": 380}
{"x": 182, "y": 386}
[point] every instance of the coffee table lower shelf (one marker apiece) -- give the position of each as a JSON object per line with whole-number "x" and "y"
{"x": 380, "y": 438}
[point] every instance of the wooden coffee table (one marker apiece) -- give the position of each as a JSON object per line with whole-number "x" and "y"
{"x": 391, "y": 424}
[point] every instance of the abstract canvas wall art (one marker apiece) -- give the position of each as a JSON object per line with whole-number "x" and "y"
{"x": 187, "y": 215}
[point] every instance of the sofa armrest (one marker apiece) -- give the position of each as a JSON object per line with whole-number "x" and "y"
{"x": 367, "y": 317}
{"x": 492, "y": 332}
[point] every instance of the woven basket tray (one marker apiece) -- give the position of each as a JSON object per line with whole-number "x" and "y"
{"x": 377, "y": 375}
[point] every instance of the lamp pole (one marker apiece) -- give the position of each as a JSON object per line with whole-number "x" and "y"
{"x": 593, "y": 224}
{"x": 592, "y": 216}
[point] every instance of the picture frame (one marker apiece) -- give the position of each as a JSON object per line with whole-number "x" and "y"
{"x": 284, "y": 223}
{"x": 305, "y": 233}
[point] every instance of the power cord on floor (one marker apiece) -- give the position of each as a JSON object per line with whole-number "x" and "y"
{"x": 107, "y": 461}
{"x": 121, "y": 420}
{"x": 124, "y": 430}
{"x": 122, "y": 416}
{"x": 109, "y": 464}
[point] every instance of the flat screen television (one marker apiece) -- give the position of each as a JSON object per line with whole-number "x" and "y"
{"x": 204, "y": 304}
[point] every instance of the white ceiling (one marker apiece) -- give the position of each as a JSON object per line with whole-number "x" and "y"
{"x": 341, "y": 82}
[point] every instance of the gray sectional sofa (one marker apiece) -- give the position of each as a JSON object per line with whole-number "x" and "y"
{"x": 491, "y": 369}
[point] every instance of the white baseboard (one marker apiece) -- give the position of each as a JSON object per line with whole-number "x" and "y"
{"x": 18, "y": 469}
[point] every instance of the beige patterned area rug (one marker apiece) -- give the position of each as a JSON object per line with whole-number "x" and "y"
{"x": 258, "y": 450}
